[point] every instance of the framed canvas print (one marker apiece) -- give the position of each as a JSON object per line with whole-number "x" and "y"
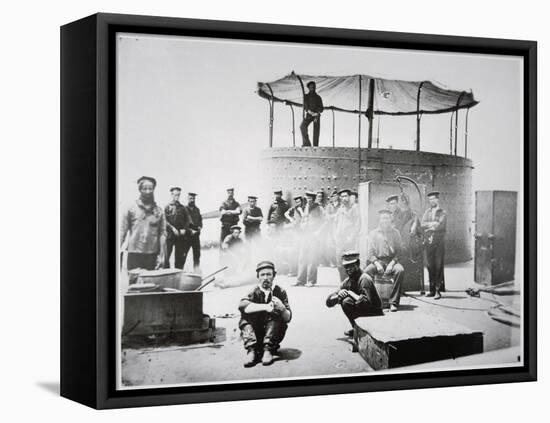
{"x": 255, "y": 211}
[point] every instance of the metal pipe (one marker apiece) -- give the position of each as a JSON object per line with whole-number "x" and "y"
{"x": 210, "y": 278}
{"x": 412, "y": 181}
{"x": 414, "y": 258}
{"x": 418, "y": 116}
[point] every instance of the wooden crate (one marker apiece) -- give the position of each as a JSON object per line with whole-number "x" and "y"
{"x": 407, "y": 338}
{"x": 165, "y": 317}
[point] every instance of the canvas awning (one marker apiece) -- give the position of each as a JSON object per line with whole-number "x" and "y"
{"x": 391, "y": 97}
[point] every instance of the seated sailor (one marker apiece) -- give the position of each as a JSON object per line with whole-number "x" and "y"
{"x": 233, "y": 239}
{"x": 384, "y": 247}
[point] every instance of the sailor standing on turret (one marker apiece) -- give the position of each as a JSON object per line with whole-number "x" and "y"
{"x": 313, "y": 107}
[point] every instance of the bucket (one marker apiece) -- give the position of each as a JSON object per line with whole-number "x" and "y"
{"x": 189, "y": 281}
{"x": 384, "y": 286}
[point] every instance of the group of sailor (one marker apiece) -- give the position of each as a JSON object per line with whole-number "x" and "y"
{"x": 265, "y": 310}
{"x": 313, "y": 231}
{"x": 151, "y": 234}
{"x": 317, "y": 231}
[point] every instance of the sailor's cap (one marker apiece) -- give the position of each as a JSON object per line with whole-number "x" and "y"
{"x": 147, "y": 178}
{"x": 265, "y": 264}
{"x": 349, "y": 257}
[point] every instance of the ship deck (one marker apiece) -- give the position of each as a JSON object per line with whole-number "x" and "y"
{"x": 315, "y": 344}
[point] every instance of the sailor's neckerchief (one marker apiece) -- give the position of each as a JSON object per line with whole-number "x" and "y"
{"x": 266, "y": 292}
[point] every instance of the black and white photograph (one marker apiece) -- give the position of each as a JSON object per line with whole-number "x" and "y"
{"x": 300, "y": 211}
{"x": 280, "y": 211}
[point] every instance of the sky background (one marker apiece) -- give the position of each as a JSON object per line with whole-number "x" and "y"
{"x": 188, "y": 114}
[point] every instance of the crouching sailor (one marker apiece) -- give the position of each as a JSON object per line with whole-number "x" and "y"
{"x": 357, "y": 294}
{"x": 265, "y": 314}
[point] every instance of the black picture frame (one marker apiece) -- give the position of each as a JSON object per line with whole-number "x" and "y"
{"x": 88, "y": 235}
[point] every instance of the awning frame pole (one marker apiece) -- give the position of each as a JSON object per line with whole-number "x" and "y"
{"x": 378, "y": 133}
{"x": 456, "y": 130}
{"x": 466, "y": 134}
{"x": 293, "y": 125}
{"x": 270, "y": 124}
{"x": 456, "y": 119}
{"x": 418, "y": 116}
{"x": 271, "y": 117}
{"x": 451, "y": 134}
{"x": 333, "y": 129}
{"x": 370, "y": 110}
{"x": 359, "y": 134}
{"x": 303, "y": 94}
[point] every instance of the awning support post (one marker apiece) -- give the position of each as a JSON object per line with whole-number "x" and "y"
{"x": 451, "y": 134}
{"x": 271, "y": 107}
{"x": 303, "y": 93}
{"x": 466, "y": 134}
{"x": 370, "y": 110}
{"x": 359, "y": 120}
{"x": 333, "y": 128}
{"x": 293, "y": 125}
{"x": 359, "y": 135}
{"x": 456, "y": 119}
{"x": 418, "y": 116}
{"x": 378, "y": 133}
{"x": 456, "y": 130}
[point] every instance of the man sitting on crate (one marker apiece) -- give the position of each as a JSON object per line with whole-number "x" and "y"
{"x": 357, "y": 294}
{"x": 265, "y": 314}
{"x": 384, "y": 247}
